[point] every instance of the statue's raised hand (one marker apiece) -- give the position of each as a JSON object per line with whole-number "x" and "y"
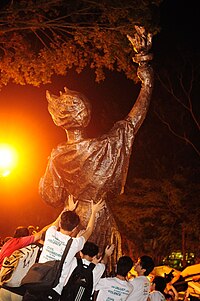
{"x": 142, "y": 43}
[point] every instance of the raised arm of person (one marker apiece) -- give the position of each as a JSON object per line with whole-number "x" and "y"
{"x": 142, "y": 42}
{"x": 171, "y": 287}
{"x": 69, "y": 205}
{"x": 95, "y": 209}
{"x": 108, "y": 252}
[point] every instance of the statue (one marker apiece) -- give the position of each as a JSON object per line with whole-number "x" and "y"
{"x": 94, "y": 168}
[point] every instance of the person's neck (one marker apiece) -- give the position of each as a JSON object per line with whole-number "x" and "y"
{"x": 140, "y": 274}
{"x": 87, "y": 257}
{"x": 66, "y": 232}
{"x": 74, "y": 135}
{"x": 121, "y": 277}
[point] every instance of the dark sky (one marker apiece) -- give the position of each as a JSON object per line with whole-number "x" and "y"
{"x": 26, "y": 123}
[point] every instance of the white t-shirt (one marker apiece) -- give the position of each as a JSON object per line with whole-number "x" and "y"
{"x": 113, "y": 289}
{"x": 54, "y": 245}
{"x": 156, "y": 296}
{"x": 141, "y": 289}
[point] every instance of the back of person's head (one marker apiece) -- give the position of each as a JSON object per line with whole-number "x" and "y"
{"x": 32, "y": 230}
{"x": 21, "y": 232}
{"x": 124, "y": 265}
{"x": 160, "y": 283}
{"x": 168, "y": 297}
{"x": 147, "y": 263}
{"x": 69, "y": 220}
{"x": 90, "y": 249}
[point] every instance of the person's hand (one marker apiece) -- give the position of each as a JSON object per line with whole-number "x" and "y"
{"x": 96, "y": 260}
{"x": 109, "y": 250}
{"x": 98, "y": 206}
{"x": 70, "y": 204}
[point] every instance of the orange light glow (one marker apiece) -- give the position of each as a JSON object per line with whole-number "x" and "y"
{"x": 8, "y": 159}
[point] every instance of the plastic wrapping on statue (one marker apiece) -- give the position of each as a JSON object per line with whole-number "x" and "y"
{"x": 90, "y": 169}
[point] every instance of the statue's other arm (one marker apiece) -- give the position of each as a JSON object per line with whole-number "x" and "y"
{"x": 142, "y": 42}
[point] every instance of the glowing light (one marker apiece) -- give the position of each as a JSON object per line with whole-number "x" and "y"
{"x": 8, "y": 159}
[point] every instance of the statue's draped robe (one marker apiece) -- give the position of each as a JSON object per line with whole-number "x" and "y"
{"x": 90, "y": 169}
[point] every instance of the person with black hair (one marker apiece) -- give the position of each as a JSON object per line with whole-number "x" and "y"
{"x": 89, "y": 269}
{"x": 20, "y": 239}
{"x": 157, "y": 289}
{"x": 141, "y": 284}
{"x": 56, "y": 238}
{"x": 118, "y": 287}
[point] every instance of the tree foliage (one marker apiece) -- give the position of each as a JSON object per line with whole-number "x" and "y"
{"x": 155, "y": 212}
{"x": 39, "y": 38}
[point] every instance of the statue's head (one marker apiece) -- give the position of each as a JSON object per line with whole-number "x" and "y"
{"x": 70, "y": 109}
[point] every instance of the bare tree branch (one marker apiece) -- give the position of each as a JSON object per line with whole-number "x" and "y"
{"x": 180, "y": 86}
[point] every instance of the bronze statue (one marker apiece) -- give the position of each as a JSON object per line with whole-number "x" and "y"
{"x": 90, "y": 169}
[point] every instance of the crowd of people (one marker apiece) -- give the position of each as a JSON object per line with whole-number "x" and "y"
{"x": 54, "y": 238}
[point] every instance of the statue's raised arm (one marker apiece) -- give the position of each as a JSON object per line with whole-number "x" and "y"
{"x": 142, "y": 42}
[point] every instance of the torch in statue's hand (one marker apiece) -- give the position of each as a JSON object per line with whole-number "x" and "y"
{"x": 142, "y": 43}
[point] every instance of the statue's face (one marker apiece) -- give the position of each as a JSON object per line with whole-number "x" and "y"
{"x": 69, "y": 110}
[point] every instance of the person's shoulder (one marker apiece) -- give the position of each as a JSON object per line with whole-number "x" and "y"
{"x": 106, "y": 280}
{"x": 154, "y": 292}
{"x": 100, "y": 267}
{"x": 79, "y": 238}
{"x": 100, "y": 264}
{"x": 129, "y": 284}
{"x": 139, "y": 279}
{"x": 51, "y": 229}
{"x": 78, "y": 242}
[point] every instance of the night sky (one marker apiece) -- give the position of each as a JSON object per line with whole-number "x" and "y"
{"x": 26, "y": 123}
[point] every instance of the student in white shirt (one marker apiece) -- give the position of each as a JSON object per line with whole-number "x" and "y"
{"x": 116, "y": 288}
{"x": 141, "y": 284}
{"x": 157, "y": 289}
{"x": 88, "y": 255}
{"x": 56, "y": 238}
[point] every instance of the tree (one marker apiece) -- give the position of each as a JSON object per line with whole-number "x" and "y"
{"x": 160, "y": 216}
{"x": 39, "y": 38}
{"x": 177, "y": 107}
